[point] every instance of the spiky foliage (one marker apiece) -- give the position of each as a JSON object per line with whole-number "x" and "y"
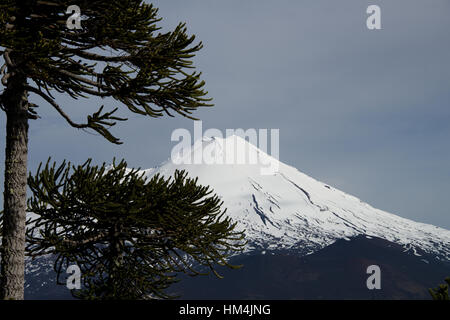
{"x": 129, "y": 235}
{"x": 441, "y": 292}
{"x": 119, "y": 52}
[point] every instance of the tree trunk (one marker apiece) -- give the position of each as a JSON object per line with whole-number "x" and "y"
{"x": 15, "y": 192}
{"x": 115, "y": 264}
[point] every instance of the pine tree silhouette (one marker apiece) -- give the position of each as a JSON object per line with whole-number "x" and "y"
{"x": 128, "y": 235}
{"x": 118, "y": 52}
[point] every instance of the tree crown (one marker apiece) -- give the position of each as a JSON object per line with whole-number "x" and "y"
{"x": 128, "y": 234}
{"x": 119, "y": 52}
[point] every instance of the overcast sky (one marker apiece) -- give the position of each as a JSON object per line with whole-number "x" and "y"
{"x": 366, "y": 111}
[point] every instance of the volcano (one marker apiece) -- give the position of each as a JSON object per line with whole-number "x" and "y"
{"x": 306, "y": 239}
{"x": 287, "y": 209}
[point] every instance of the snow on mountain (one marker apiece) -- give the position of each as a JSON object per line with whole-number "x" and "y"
{"x": 288, "y": 209}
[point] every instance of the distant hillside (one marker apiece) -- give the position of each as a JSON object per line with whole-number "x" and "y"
{"x": 335, "y": 272}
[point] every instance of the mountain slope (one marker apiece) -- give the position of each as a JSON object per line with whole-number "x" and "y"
{"x": 307, "y": 240}
{"x": 337, "y": 271}
{"x": 290, "y": 210}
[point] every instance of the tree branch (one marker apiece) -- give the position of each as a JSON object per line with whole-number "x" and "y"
{"x": 96, "y": 121}
{"x": 82, "y": 79}
{"x": 76, "y": 243}
{"x": 99, "y": 57}
{"x": 8, "y": 61}
{"x": 57, "y": 107}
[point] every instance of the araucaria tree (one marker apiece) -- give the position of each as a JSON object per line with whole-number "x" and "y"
{"x": 441, "y": 292}
{"x": 129, "y": 235}
{"x": 118, "y": 52}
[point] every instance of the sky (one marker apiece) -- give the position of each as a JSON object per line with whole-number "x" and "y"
{"x": 366, "y": 111}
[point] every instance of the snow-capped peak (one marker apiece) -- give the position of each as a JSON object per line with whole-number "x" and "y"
{"x": 281, "y": 207}
{"x": 217, "y": 150}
